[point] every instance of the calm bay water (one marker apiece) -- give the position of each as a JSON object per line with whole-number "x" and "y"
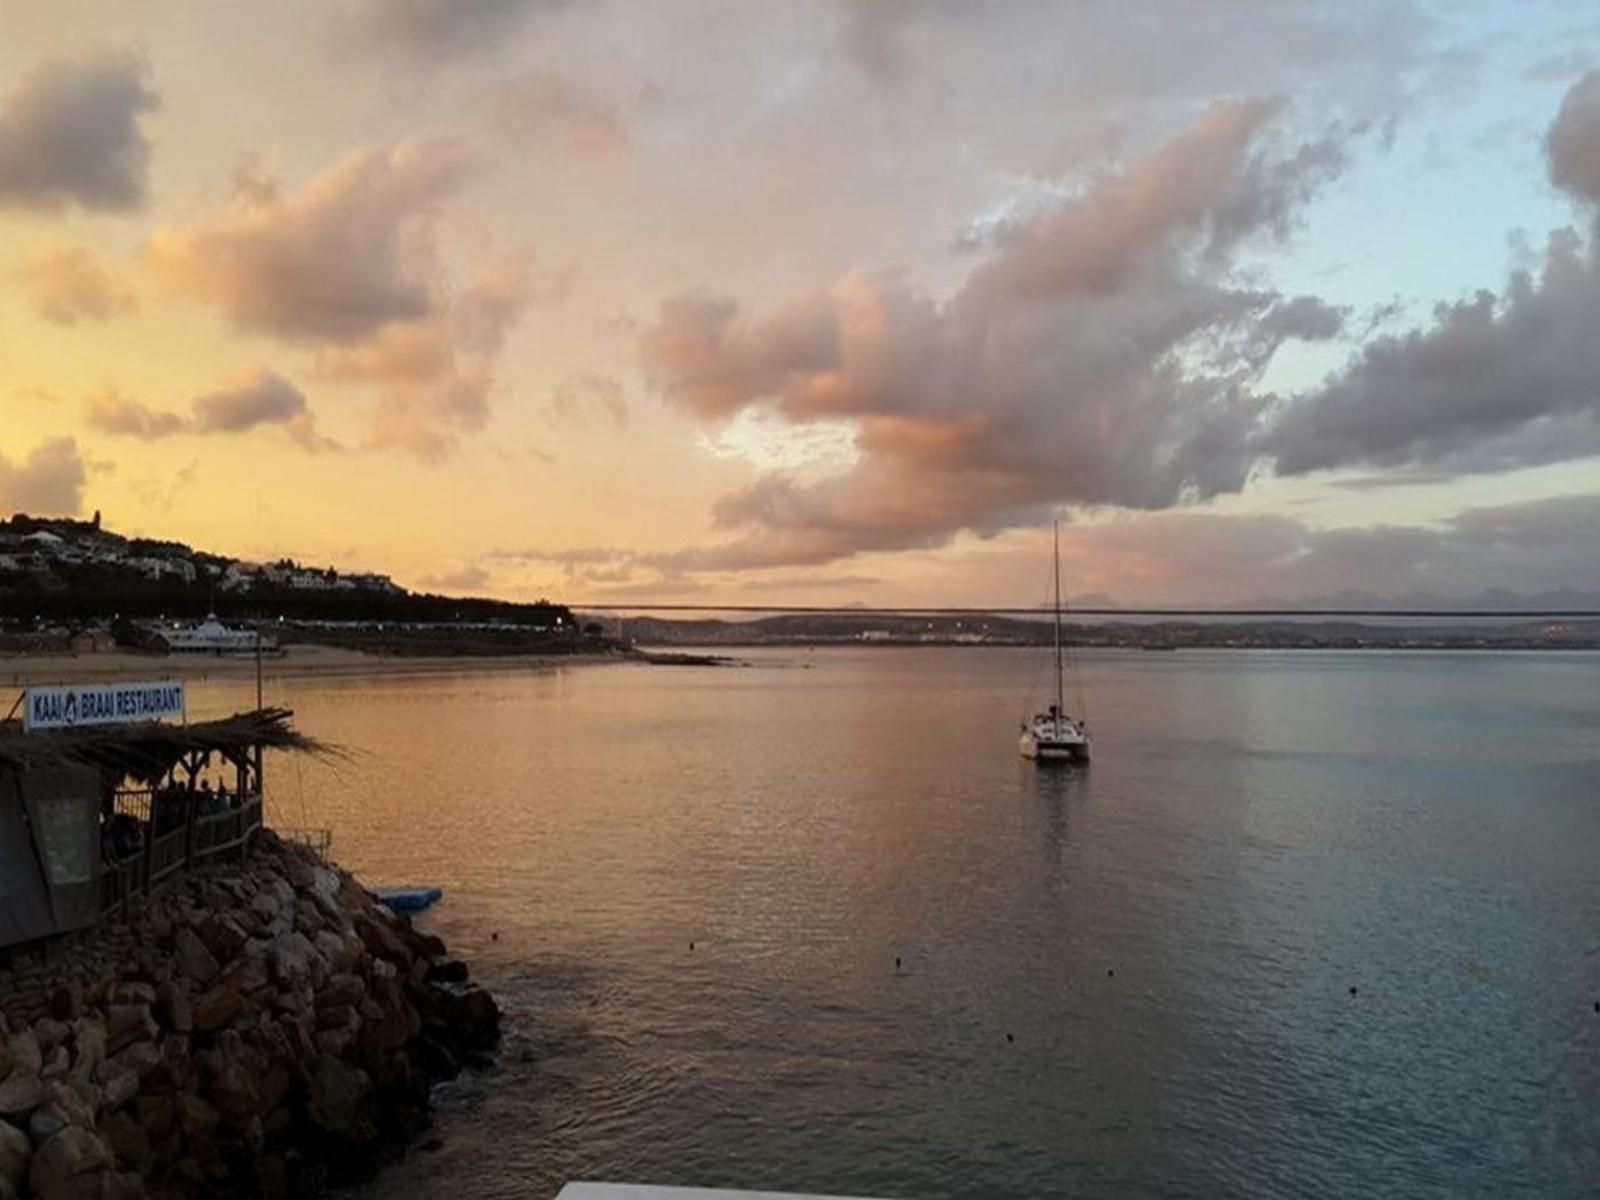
{"x": 1132, "y": 980}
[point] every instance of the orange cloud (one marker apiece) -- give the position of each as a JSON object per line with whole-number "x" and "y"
{"x": 67, "y": 285}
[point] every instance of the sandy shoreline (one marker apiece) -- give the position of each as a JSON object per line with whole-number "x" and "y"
{"x": 297, "y": 662}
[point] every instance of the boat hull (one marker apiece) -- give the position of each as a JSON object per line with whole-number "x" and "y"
{"x": 1044, "y": 751}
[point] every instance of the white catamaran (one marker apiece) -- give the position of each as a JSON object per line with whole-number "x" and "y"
{"x": 1052, "y": 736}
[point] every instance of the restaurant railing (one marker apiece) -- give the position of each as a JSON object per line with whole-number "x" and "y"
{"x": 197, "y": 840}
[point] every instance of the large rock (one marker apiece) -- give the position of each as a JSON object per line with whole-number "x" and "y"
{"x": 174, "y": 1008}
{"x": 15, "y": 1151}
{"x": 119, "y": 1087}
{"x": 89, "y": 1046}
{"x": 217, "y": 1008}
{"x": 194, "y": 957}
{"x": 340, "y": 1100}
{"x": 62, "y": 1106}
{"x": 296, "y": 963}
{"x": 20, "y": 1093}
{"x": 129, "y": 1023}
{"x": 25, "y": 1052}
{"x": 223, "y": 936}
{"x": 51, "y": 1033}
{"x": 129, "y": 1142}
{"x": 64, "y": 1167}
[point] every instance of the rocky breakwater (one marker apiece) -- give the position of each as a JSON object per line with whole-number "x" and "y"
{"x": 261, "y": 1032}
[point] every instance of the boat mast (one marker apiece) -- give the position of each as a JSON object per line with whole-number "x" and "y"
{"x": 1061, "y": 704}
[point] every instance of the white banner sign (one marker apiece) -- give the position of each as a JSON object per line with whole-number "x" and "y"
{"x": 101, "y": 704}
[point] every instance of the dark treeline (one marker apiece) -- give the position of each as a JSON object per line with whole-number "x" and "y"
{"x": 90, "y": 593}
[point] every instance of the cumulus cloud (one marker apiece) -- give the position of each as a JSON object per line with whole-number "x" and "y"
{"x": 254, "y": 399}
{"x": 1574, "y": 140}
{"x": 347, "y": 268}
{"x": 441, "y": 29}
{"x": 116, "y": 413}
{"x": 49, "y": 481}
{"x": 66, "y": 284}
{"x": 550, "y": 105}
{"x": 1105, "y": 354}
{"x": 1496, "y": 381}
{"x": 334, "y": 262}
{"x": 70, "y": 135}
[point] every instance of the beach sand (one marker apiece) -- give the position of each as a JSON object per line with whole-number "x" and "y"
{"x": 298, "y": 661}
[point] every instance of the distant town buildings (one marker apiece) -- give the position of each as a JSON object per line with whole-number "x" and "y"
{"x": 26, "y": 548}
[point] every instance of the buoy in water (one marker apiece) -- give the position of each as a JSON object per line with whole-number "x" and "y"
{"x": 1009, "y": 1038}
{"x": 1353, "y": 989}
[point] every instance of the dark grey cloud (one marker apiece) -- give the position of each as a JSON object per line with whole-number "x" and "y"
{"x": 70, "y": 136}
{"x": 48, "y": 481}
{"x": 1106, "y": 355}
{"x": 1461, "y": 388}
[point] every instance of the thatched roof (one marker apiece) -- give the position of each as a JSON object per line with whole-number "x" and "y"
{"x": 147, "y": 751}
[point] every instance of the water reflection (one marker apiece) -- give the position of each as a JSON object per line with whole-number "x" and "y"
{"x": 1167, "y": 936}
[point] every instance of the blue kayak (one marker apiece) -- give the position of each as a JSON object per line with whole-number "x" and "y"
{"x": 408, "y": 899}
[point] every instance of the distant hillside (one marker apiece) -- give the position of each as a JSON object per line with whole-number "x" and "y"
{"x": 878, "y": 629}
{"x": 55, "y": 570}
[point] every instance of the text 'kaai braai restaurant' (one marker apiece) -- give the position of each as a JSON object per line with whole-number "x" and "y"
{"x": 107, "y": 794}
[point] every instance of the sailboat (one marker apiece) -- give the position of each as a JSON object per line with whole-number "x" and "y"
{"x": 1052, "y": 736}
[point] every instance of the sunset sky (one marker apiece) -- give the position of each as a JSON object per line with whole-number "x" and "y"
{"x": 825, "y": 302}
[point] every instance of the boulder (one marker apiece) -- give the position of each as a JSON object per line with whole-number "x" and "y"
{"x": 156, "y": 1115}
{"x": 129, "y": 1142}
{"x": 194, "y": 958}
{"x": 174, "y": 1008}
{"x": 223, "y": 936}
{"x": 340, "y": 1100}
{"x": 51, "y": 1033}
{"x": 295, "y": 961}
{"x": 55, "y": 1064}
{"x": 217, "y": 1008}
{"x": 141, "y": 1058}
{"x": 449, "y": 970}
{"x": 343, "y": 988}
{"x": 25, "y": 1053}
{"x": 66, "y": 1003}
{"x": 131, "y": 991}
{"x": 114, "y": 1186}
{"x": 89, "y": 1046}
{"x": 65, "y": 1166}
{"x": 15, "y": 1151}
{"x": 476, "y": 1018}
{"x": 129, "y": 1023}
{"x": 234, "y": 1092}
{"x": 197, "y": 1119}
{"x": 119, "y": 1087}
{"x": 20, "y": 1093}
{"x": 64, "y": 1105}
